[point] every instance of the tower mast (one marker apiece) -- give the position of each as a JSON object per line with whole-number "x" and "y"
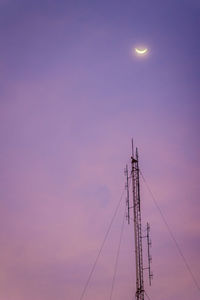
{"x": 135, "y": 211}
{"x": 137, "y": 225}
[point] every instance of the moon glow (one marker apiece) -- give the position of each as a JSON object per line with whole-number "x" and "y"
{"x": 141, "y": 51}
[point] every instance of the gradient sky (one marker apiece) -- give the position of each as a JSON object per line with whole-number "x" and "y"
{"x": 71, "y": 97}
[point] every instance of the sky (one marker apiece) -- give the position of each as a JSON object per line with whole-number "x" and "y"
{"x": 72, "y": 95}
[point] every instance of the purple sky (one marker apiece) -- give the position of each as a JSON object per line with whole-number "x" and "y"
{"x": 72, "y": 96}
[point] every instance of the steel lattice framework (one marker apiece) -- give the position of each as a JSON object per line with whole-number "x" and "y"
{"x": 135, "y": 210}
{"x": 137, "y": 226}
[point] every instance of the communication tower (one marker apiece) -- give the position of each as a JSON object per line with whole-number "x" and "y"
{"x": 135, "y": 207}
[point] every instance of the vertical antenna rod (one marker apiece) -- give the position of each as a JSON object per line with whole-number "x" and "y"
{"x": 137, "y": 225}
{"x": 149, "y": 255}
{"x": 127, "y": 193}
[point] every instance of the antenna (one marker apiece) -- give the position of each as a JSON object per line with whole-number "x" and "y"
{"x": 127, "y": 193}
{"x": 149, "y": 255}
{"x": 132, "y": 148}
{"x": 136, "y": 210}
{"x": 137, "y": 226}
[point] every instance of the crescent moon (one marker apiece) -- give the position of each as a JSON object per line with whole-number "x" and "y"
{"x": 141, "y": 51}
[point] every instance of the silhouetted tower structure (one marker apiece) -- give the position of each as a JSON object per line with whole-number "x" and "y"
{"x": 136, "y": 211}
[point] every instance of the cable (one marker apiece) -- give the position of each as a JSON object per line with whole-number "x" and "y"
{"x": 172, "y": 235}
{"x": 147, "y": 295}
{"x": 117, "y": 256}
{"x": 101, "y": 248}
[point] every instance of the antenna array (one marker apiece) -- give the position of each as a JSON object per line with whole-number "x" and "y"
{"x": 136, "y": 210}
